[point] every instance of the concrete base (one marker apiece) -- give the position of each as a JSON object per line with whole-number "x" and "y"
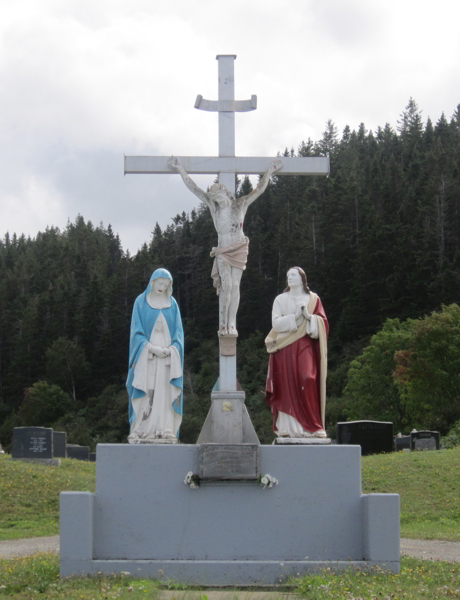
{"x": 144, "y": 520}
{"x": 228, "y": 421}
{"x": 52, "y": 462}
{"x": 220, "y": 572}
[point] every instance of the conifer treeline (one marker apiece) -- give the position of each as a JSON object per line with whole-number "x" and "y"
{"x": 378, "y": 238}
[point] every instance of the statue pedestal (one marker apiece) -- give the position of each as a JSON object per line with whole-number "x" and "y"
{"x": 228, "y": 441}
{"x": 145, "y": 521}
{"x": 303, "y": 441}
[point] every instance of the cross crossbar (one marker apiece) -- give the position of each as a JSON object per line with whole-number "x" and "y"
{"x": 226, "y": 105}
{"x": 243, "y": 165}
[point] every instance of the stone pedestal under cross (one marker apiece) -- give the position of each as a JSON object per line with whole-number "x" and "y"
{"x": 228, "y": 421}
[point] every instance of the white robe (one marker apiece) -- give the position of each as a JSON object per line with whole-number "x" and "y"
{"x": 155, "y": 416}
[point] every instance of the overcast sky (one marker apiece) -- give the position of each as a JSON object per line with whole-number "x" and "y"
{"x": 84, "y": 82}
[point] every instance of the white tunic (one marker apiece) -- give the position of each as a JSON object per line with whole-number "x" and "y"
{"x": 155, "y": 416}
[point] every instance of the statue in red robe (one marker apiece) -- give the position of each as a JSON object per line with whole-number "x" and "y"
{"x": 296, "y": 381}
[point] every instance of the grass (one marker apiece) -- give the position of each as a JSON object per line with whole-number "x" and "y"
{"x": 429, "y": 485}
{"x": 29, "y": 494}
{"x": 38, "y": 576}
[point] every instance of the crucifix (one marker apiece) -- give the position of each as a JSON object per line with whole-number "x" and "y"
{"x": 228, "y": 215}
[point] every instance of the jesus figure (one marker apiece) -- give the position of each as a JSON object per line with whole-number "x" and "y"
{"x": 230, "y": 255}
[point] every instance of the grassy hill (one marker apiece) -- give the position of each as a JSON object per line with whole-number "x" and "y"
{"x": 29, "y": 494}
{"x": 429, "y": 485}
{"x": 428, "y": 482}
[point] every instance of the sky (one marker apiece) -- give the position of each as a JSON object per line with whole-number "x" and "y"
{"x": 84, "y": 82}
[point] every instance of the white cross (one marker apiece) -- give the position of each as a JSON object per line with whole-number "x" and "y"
{"x": 227, "y": 165}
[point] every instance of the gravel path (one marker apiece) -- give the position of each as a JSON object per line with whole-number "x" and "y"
{"x": 426, "y": 549}
{"x": 28, "y": 546}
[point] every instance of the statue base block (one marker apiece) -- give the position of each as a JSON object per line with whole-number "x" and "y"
{"x": 304, "y": 441}
{"x": 144, "y": 520}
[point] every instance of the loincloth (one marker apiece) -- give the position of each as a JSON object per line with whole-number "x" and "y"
{"x": 236, "y": 255}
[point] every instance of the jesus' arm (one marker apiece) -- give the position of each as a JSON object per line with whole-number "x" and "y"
{"x": 275, "y": 166}
{"x": 176, "y": 165}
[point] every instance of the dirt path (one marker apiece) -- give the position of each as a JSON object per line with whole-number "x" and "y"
{"x": 426, "y": 549}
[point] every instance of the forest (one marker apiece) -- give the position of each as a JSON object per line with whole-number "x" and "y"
{"x": 379, "y": 240}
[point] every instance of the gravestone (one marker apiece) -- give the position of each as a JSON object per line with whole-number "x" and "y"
{"x": 77, "y": 452}
{"x": 374, "y": 437}
{"x": 1, "y": 450}
{"x": 34, "y": 444}
{"x": 59, "y": 444}
{"x": 425, "y": 440}
{"x": 92, "y": 457}
{"x": 402, "y": 442}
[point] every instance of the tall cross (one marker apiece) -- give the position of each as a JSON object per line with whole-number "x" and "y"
{"x": 227, "y": 165}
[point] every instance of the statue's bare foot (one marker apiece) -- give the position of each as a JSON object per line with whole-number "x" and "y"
{"x": 320, "y": 434}
{"x": 223, "y": 331}
{"x": 232, "y": 330}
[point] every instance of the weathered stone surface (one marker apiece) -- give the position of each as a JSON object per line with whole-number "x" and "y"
{"x": 32, "y": 442}
{"x": 227, "y": 345}
{"x": 229, "y": 461}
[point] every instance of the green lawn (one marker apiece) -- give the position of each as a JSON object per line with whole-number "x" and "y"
{"x": 429, "y": 485}
{"x": 430, "y": 508}
{"x": 428, "y": 482}
{"x": 29, "y": 494}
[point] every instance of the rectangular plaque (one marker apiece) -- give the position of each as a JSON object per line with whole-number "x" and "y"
{"x": 229, "y": 461}
{"x": 32, "y": 442}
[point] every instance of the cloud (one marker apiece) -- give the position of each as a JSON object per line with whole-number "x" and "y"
{"x": 83, "y": 83}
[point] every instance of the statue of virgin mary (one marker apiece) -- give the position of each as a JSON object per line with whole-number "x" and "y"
{"x": 156, "y": 362}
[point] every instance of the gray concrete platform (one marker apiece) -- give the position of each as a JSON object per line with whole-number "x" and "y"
{"x": 144, "y": 520}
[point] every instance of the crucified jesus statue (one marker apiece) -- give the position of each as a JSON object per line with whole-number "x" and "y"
{"x": 231, "y": 253}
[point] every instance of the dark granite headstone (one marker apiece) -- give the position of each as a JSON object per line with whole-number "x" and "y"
{"x": 77, "y": 452}
{"x": 92, "y": 457}
{"x": 374, "y": 437}
{"x": 32, "y": 442}
{"x": 425, "y": 440}
{"x": 59, "y": 444}
{"x": 229, "y": 461}
{"x": 402, "y": 443}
